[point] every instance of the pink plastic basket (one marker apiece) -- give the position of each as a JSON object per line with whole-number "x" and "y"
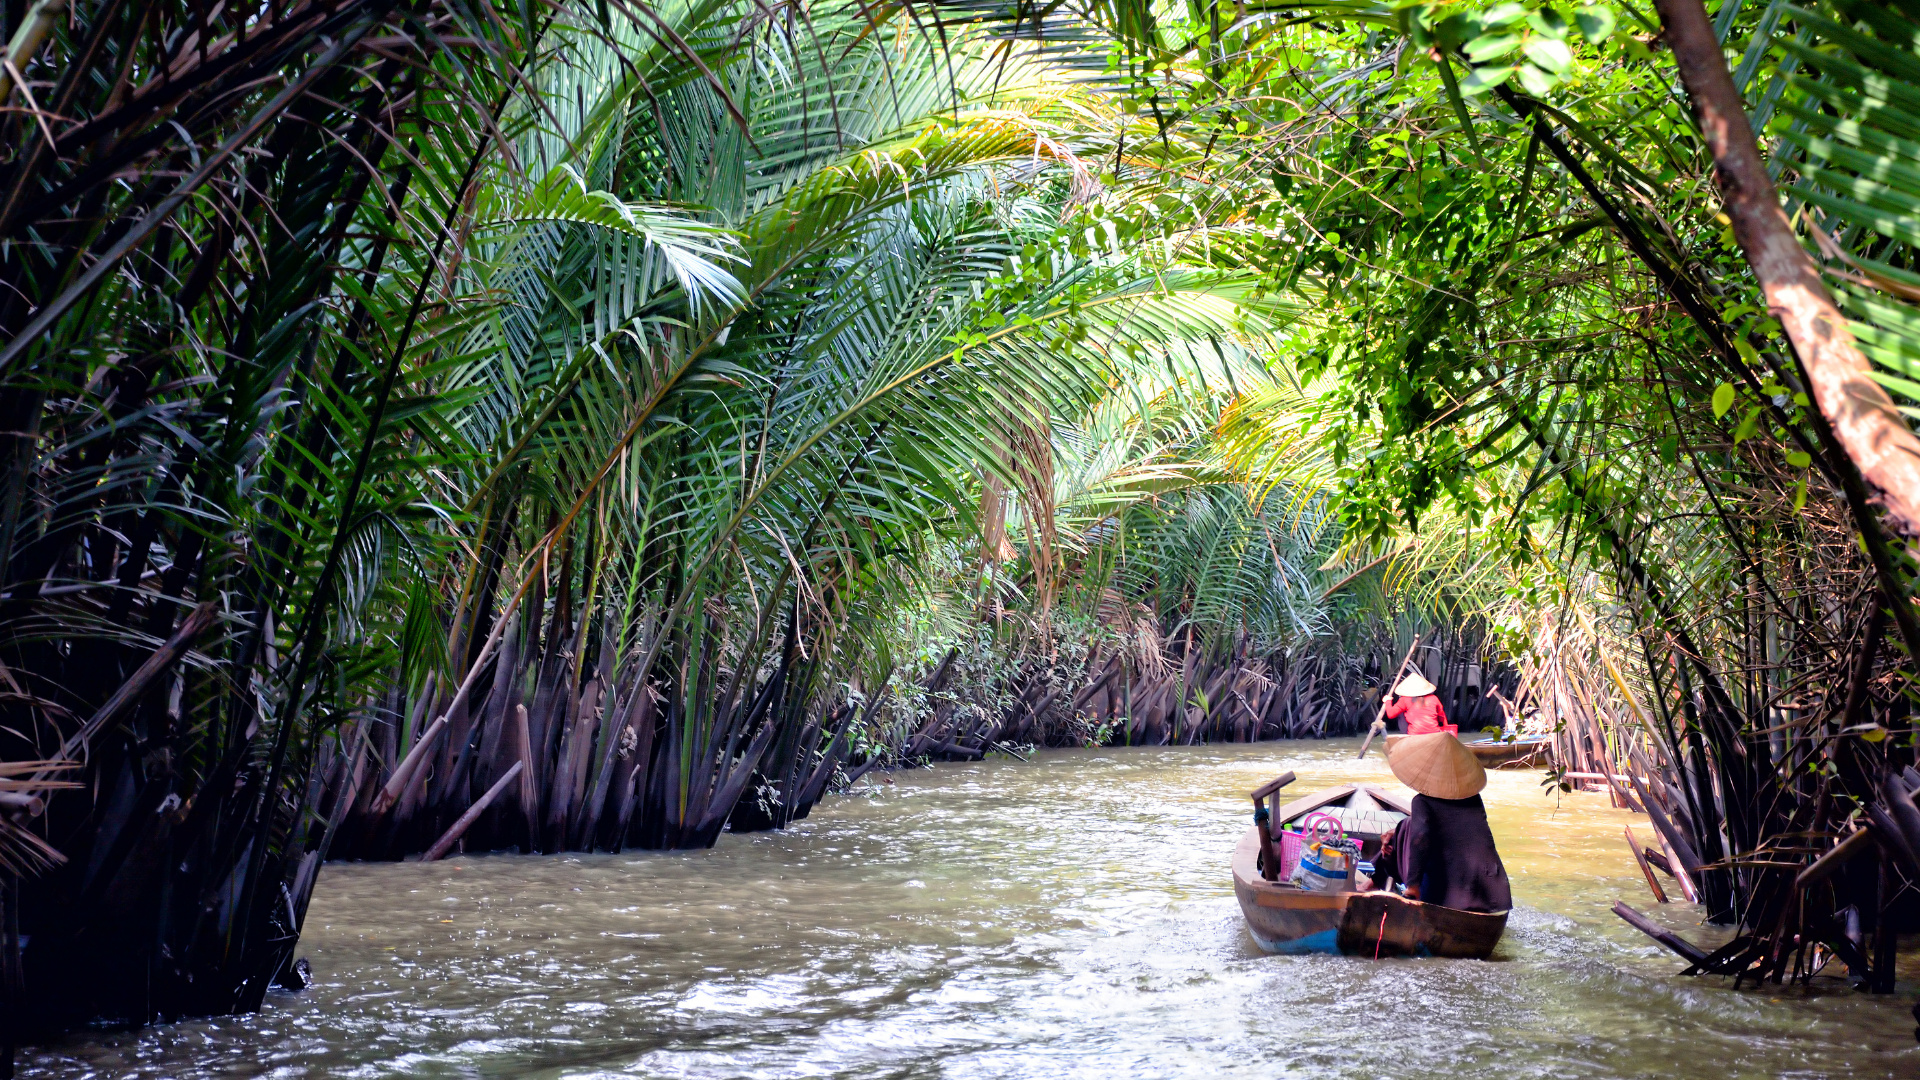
{"x": 1289, "y": 853}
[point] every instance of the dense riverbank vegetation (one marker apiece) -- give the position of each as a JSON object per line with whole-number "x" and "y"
{"x": 1546, "y": 324}
{"x": 572, "y": 427}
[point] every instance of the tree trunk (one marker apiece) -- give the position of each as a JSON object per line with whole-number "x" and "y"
{"x": 1864, "y": 419}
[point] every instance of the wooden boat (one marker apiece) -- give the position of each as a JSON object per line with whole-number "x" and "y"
{"x": 1286, "y": 919}
{"x": 1381, "y": 924}
{"x": 1527, "y": 752}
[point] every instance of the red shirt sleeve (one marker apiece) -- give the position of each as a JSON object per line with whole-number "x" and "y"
{"x": 1396, "y": 708}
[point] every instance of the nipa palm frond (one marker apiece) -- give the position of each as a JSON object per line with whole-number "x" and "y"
{"x": 22, "y": 784}
{"x": 1852, "y": 123}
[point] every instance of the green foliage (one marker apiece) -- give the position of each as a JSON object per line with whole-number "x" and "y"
{"x": 701, "y": 331}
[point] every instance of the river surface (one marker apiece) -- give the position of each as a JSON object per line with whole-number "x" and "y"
{"x": 1067, "y": 917}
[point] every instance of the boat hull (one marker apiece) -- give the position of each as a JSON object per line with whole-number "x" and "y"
{"x": 1386, "y": 924}
{"x": 1280, "y": 918}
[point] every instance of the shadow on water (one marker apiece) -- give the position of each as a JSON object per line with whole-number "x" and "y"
{"x": 1069, "y": 917}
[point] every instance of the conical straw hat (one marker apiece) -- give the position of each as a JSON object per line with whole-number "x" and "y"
{"x": 1414, "y": 685}
{"x": 1437, "y": 765}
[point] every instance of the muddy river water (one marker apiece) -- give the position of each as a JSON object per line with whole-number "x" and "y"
{"x": 1072, "y": 916}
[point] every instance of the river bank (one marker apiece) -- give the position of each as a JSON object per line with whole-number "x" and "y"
{"x": 1070, "y": 916}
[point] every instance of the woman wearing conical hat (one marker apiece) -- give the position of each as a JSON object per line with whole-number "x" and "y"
{"x": 1417, "y": 702}
{"x": 1444, "y": 850}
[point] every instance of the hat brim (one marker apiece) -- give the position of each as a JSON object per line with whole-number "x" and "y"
{"x": 1415, "y": 685}
{"x": 1437, "y": 765}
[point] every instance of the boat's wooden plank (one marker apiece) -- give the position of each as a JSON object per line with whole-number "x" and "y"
{"x": 1309, "y": 803}
{"x": 1301, "y": 899}
{"x": 1362, "y": 799}
{"x": 1394, "y": 801}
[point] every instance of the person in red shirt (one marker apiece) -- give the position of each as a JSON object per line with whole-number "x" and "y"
{"x": 1416, "y": 702}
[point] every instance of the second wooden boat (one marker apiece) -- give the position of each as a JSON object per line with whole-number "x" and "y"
{"x": 1529, "y": 752}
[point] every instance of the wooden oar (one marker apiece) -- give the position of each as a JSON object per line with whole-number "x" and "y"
{"x": 1379, "y": 725}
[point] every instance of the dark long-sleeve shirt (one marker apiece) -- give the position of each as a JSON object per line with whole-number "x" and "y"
{"x": 1446, "y": 849}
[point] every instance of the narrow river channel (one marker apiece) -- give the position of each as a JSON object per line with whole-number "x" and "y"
{"x": 1072, "y": 916}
